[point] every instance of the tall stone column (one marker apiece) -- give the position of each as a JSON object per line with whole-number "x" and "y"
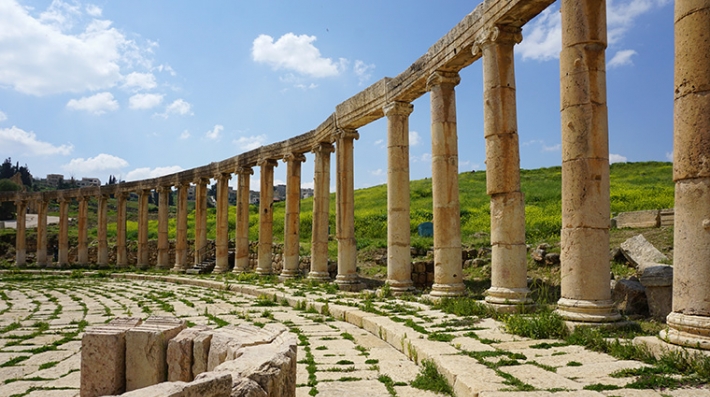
{"x": 585, "y": 269}
{"x": 181, "y": 229}
{"x": 143, "y": 254}
{"x": 163, "y": 223}
{"x": 82, "y": 254}
{"x": 399, "y": 260}
{"x": 347, "y": 278}
{"x": 509, "y": 289}
{"x": 200, "y": 218}
{"x": 42, "y": 233}
{"x": 222, "y": 238}
{"x": 321, "y": 212}
{"x": 102, "y": 213}
{"x": 448, "y": 269}
{"x": 21, "y": 234}
{"x": 266, "y": 216}
{"x": 121, "y": 254}
{"x": 241, "y": 239}
{"x": 293, "y": 213}
{"x": 689, "y": 322}
{"x": 63, "y": 255}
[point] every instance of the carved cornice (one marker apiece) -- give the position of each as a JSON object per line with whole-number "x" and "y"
{"x": 244, "y": 171}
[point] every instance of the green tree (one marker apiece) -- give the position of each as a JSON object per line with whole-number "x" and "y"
{"x": 7, "y": 209}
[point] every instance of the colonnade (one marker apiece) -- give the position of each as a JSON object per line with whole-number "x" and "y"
{"x": 490, "y": 33}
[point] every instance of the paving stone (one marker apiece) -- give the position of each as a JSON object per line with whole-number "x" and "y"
{"x": 370, "y": 388}
{"x": 540, "y": 378}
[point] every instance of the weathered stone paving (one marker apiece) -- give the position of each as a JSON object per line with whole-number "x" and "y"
{"x": 377, "y": 351}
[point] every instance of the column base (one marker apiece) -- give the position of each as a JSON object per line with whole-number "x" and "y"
{"x": 588, "y": 312}
{"x": 509, "y": 300}
{"x": 178, "y": 270}
{"x": 319, "y": 276}
{"x": 687, "y": 330}
{"x": 400, "y": 287}
{"x": 263, "y": 272}
{"x": 447, "y": 290}
{"x": 349, "y": 282}
{"x": 287, "y": 274}
{"x": 220, "y": 270}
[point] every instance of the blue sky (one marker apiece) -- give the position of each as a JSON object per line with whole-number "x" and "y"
{"x": 140, "y": 89}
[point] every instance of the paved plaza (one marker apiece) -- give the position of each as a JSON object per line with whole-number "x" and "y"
{"x": 374, "y": 352}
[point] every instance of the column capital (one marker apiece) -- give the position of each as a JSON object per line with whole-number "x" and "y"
{"x": 244, "y": 171}
{"x": 441, "y": 77}
{"x": 184, "y": 184}
{"x": 323, "y": 148}
{"x": 499, "y": 34}
{"x": 20, "y": 202}
{"x": 162, "y": 189}
{"x": 344, "y": 133}
{"x": 265, "y": 162}
{"x": 398, "y": 108}
{"x": 223, "y": 175}
{"x": 202, "y": 181}
{"x": 122, "y": 195}
{"x": 294, "y": 157}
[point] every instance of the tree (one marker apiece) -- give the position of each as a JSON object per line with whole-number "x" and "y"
{"x": 7, "y": 171}
{"x": 111, "y": 180}
{"x": 7, "y": 209}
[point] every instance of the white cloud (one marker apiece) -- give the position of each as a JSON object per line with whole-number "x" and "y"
{"x": 295, "y": 53}
{"x": 621, "y": 58}
{"x": 179, "y": 107}
{"x": 3, "y": 116}
{"x": 250, "y": 142}
{"x": 424, "y": 158}
{"x": 307, "y": 185}
{"x": 414, "y": 138}
{"x": 93, "y": 165}
{"x": 185, "y": 134}
{"x": 97, "y": 104}
{"x": 616, "y": 158}
{"x": 215, "y": 132}
{"x": 380, "y": 143}
{"x": 148, "y": 173}
{"x": 145, "y": 101}
{"x": 140, "y": 81}
{"x": 41, "y": 57}
{"x": 553, "y": 148}
{"x": 669, "y": 156}
{"x": 17, "y": 141}
{"x": 363, "y": 71}
{"x": 377, "y": 172}
{"x": 93, "y": 10}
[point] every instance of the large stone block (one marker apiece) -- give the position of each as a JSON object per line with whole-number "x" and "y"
{"x": 658, "y": 281}
{"x": 200, "y": 352}
{"x": 634, "y": 219}
{"x": 642, "y": 254}
{"x": 146, "y": 351}
{"x": 180, "y": 354}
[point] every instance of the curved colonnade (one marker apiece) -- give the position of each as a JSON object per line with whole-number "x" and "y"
{"x": 489, "y": 32}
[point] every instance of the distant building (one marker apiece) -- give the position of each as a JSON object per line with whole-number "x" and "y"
{"x": 306, "y": 193}
{"x": 191, "y": 193}
{"x": 54, "y": 180}
{"x": 87, "y": 182}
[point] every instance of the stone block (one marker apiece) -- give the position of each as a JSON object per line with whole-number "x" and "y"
{"x": 629, "y": 297}
{"x": 200, "y": 352}
{"x": 146, "y": 351}
{"x": 103, "y": 358}
{"x": 641, "y": 253}
{"x": 180, "y": 352}
{"x": 637, "y": 219}
{"x": 658, "y": 281}
{"x": 209, "y": 385}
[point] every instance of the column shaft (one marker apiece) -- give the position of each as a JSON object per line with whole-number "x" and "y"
{"x": 143, "y": 254}
{"x": 20, "y": 234}
{"x": 689, "y": 322}
{"x": 163, "y": 223}
{"x": 42, "y": 233}
{"x": 82, "y": 255}
{"x": 509, "y": 254}
{"x": 399, "y": 260}
{"x": 241, "y": 239}
{"x": 102, "y": 212}
{"x": 321, "y": 212}
{"x": 448, "y": 269}
{"x": 293, "y": 213}
{"x": 266, "y": 216}
{"x": 585, "y": 268}
{"x": 347, "y": 278}
{"x": 181, "y": 229}
{"x": 200, "y": 219}
{"x": 121, "y": 255}
{"x": 222, "y": 238}
{"x": 63, "y": 255}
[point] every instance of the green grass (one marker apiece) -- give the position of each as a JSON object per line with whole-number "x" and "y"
{"x": 430, "y": 379}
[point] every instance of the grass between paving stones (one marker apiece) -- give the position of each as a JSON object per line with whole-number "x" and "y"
{"x": 430, "y": 379}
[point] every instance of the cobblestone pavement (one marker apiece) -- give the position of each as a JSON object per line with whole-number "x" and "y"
{"x": 344, "y": 351}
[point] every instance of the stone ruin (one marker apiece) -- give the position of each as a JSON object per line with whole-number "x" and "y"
{"x": 162, "y": 357}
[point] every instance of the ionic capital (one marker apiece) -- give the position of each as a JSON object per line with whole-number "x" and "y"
{"x": 441, "y": 77}
{"x": 398, "y": 108}
{"x": 499, "y": 34}
{"x": 19, "y": 203}
{"x": 184, "y": 184}
{"x": 267, "y": 162}
{"x": 163, "y": 189}
{"x": 202, "y": 181}
{"x": 121, "y": 195}
{"x": 244, "y": 171}
{"x": 299, "y": 157}
{"x": 223, "y": 175}
{"x": 342, "y": 133}
{"x": 323, "y": 148}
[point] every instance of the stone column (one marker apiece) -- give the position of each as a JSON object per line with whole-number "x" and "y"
{"x": 20, "y": 234}
{"x": 102, "y": 212}
{"x": 222, "y": 224}
{"x": 163, "y": 223}
{"x": 82, "y": 255}
{"x": 347, "y": 278}
{"x": 241, "y": 239}
{"x": 266, "y": 216}
{"x": 585, "y": 269}
{"x": 509, "y": 287}
{"x": 63, "y": 255}
{"x": 321, "y": 212}
{"x": 181, "y": 229}
{"x": 448, "y": 269}
{"x": 200, "y": 218}
{"x": 689, "y": 322}
{"x": 293, "y": 213}
{"x": 143, "y": 254}
{"x": 41, "y": 255}
{"x": 399, "y": 260}
{"x": 121, "y": 255}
